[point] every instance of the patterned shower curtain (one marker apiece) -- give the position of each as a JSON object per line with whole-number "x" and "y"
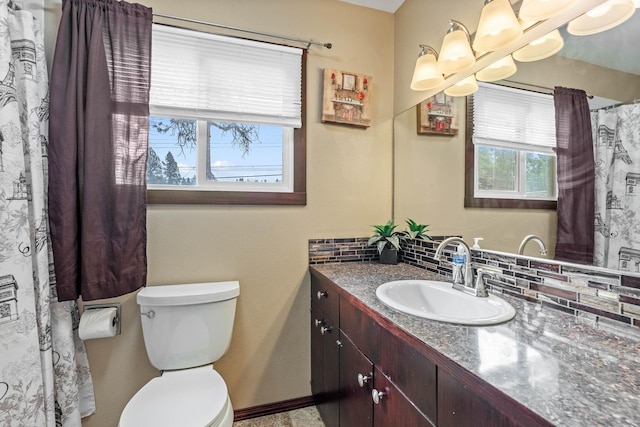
{"x": 44, "y": 372}
{"x": 617, "y": 158}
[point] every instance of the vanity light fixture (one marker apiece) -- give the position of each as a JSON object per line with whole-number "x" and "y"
{"x": 501, "y": 69}
{"x": 426, "y": 74}
{"x": 498, "y": 26}
{"x": 538, "y": 10}
{"x": 602, "y": 18}
{"x": 456, "y": 54}
{"x": 540, "y": 48}
{"x": 463, "y": 88}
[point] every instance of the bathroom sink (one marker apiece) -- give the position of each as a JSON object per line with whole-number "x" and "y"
{"x": 436, "y": 300}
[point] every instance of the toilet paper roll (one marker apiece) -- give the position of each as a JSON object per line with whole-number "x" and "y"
{"x": 98, "y": 323}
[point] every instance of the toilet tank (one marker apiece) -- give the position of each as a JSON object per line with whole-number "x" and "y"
{"x": 188, "y": 325}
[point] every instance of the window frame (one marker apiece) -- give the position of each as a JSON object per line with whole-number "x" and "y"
{"x": 298, "y": 197}
{"x": 470, "y": 201}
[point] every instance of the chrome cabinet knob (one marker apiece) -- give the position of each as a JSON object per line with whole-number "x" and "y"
{"x": 322, "y": 294}
{"x": 325, "y": 329}
{"x": 377, "y": 396}
{"x": 363, "y": 379}
{"x": 319, "y": 322}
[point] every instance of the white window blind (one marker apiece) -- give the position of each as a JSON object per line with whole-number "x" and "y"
{"x": 514, "y": 118}
{"x": 198, "y": 75}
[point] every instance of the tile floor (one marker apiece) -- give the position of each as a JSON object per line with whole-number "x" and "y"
{"x": 305, "y": 417}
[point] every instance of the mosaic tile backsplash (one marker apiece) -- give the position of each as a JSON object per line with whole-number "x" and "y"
{"x": 593, "y": 293}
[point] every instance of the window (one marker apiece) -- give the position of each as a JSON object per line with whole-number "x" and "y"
{"x": 226, "y": 120}
{"x": 510, "y": 158}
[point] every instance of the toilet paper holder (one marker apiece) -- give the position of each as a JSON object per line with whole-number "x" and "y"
{"x": 116, "y": 320}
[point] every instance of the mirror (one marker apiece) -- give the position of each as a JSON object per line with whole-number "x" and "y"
{"x": 429, "y": 170}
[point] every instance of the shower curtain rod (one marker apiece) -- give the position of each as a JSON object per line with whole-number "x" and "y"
{"x": 550, "y": 90}
{"x": 226, "y": 27}
{"x": 620, "y": 104}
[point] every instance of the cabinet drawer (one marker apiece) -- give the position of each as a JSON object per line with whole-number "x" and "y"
{"x": 324, "y": 293}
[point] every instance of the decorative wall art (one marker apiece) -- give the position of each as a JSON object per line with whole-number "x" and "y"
{"x": 346, "y": 98}
{"x": 438, "y": 115}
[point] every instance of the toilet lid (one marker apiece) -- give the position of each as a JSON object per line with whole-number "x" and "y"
{"x": 189, "y": 397}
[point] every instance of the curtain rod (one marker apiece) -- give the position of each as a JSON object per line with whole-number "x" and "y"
{"x": 551, "y": 90}
{"x": 529, "y": 85}
{"x": 226, "y": 27}
{"x": 620, "y": 104}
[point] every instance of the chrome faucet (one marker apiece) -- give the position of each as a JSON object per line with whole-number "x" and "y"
{"x": 478, "y": 288}
{"x": 543, "y": 248}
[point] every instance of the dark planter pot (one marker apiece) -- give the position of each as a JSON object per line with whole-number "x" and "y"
{"x": 389, "y": 256}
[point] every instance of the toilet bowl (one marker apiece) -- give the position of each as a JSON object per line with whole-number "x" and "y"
{"x": 189, "y": 397}
{"x": 186, "y": 328}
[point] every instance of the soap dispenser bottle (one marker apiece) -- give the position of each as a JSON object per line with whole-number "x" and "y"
{"x": 459, "y": 260}
{"x": 476, "y": 245}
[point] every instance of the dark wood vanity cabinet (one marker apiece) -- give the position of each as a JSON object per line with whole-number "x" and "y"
{"x": 343, "y": 390}
{"x": 420, "y": 386}
{"x": 407, "y": 379}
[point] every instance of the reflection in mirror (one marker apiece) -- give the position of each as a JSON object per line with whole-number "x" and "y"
{"x": 429, "y": 171}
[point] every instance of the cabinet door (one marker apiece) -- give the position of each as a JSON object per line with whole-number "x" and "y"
{"x": 393, "y": 409}
{"x": 325, "y": 363}
{"x": 410, "y": 370}
{"x": 459, "y": 406}
{"x": 356, "y": 383}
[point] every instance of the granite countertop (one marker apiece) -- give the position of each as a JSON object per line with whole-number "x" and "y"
{"x": 567, "y": 370}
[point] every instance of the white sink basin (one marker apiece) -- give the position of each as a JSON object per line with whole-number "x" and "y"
{"x": 437, "y": 300}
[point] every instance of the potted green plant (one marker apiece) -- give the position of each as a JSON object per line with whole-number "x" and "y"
{"x": 416, "y": 231}
{"x": 387, "y": 240}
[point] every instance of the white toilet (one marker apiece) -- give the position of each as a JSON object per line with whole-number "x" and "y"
{"x": 186, "y": 328}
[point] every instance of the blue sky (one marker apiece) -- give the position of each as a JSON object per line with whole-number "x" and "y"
{"x": 264, "y": 161}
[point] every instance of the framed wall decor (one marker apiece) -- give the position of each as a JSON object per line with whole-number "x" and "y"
{"x": 438, "y": 115}
{"x": 346, "y": 98}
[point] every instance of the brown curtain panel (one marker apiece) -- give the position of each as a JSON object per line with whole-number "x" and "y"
{"x": 576, "y": 177}
{"x": 98, "y": 148}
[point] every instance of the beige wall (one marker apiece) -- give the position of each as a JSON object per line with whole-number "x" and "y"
{"x": 265, "y": 248}
{"x": 429, "y": 170}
